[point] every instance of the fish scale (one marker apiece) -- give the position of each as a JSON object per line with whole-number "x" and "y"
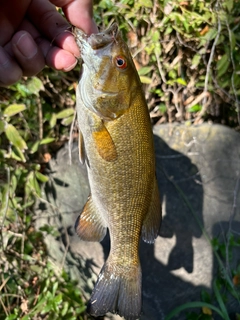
{"x": 116, "y": 142}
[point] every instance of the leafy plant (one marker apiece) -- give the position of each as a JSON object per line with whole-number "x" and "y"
{"x": 30, "y": 285}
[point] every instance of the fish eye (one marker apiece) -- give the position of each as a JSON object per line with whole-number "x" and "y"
{"x": 121, "y": 62}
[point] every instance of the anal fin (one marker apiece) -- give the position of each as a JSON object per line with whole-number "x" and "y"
{"x": 152, "y": 221}
{"x": 89, "y": 225}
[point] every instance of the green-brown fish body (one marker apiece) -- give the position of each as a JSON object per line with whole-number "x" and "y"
{"x": 116, "y": 142}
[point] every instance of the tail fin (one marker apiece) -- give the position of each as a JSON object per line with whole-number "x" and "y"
{"x": 118, "y": 290}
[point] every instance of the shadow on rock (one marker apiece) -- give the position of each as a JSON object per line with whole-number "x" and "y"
{"x": 196, "y": 184}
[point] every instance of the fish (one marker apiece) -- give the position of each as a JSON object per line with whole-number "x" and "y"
{"x": 116, "y": 144}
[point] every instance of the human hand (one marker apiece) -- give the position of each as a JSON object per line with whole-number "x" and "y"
{"x": 33, "y": 33}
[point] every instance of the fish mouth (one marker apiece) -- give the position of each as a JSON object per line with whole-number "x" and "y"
{"x": 102, "y": 39}
{"x": 97, "y": 40}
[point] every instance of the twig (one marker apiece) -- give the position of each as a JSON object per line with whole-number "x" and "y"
{"x": 175, "y": 97}
{"x": 4, "y": 283}
{"x": 160, "y": 69}
{"x": 4, "y": 308}
{"x": 15, "y": 253}
{"x": 18, "y": 235}
{"x": 40, "y": 118}
{"x": 70, "y": 142}
{"x": 6, "y": 205}
{"x": 211, "y": 59}
{"x": 184, "y": 44}
{"x": 11, "y": 295}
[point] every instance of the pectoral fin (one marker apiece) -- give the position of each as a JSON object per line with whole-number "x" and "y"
{"x": 103, "y": 140}
{"x": 152, "y": 221}
{"x": 89, "y": 225}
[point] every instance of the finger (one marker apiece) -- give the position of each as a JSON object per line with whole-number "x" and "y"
{"x": 47, "y": 51}
{"x": 11, "y": 15}
{"x": 10, "y": 72}
{"x": 27, "y": 53}
{"x": 60, "y": 59}
{"x": 44, "y": 16}
{"x": 79, "y": 13}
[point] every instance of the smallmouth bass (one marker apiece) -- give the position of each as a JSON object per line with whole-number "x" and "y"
{"x": 116, "y": 143}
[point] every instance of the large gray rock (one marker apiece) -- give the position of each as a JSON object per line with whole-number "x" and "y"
{"x": 198, "y": 169}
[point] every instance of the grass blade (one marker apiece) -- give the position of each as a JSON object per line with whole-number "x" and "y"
{"x": 197, "y": 304}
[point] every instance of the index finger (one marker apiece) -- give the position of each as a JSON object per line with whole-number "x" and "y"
{"x": 79, "y": 13}
{"x": 50, "y": 23}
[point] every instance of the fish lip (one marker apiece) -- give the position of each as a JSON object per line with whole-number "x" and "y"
{"x": 97, "y": 40}
{"x": 105, "y": 38}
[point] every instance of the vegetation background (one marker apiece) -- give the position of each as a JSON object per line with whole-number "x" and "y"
{"x": 188, "y": 57}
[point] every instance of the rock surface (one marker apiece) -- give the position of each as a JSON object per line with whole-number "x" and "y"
{"x": 198, "y": 170}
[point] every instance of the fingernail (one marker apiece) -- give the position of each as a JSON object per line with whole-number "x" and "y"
{"x": 26, "y": 46}
{"x": 4, "y": 59}
{"x": 71, "y": 67}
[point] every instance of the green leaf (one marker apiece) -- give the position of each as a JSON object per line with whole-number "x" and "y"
{"x": 228, "y": 4}
{"x": 19, "y": 151}
{"x": 34, "y": 147}
{"x": 2, "y": 126}
{"x": 143, "y": 71}
{"x": 222, "y": 65}
{"x": 12, "y": 317}
{"x": 4, "y": 200}
{"x": 47, "y": 140}
{"x": 34, "y": 85}
{"x": 220, "y": 301}
{"x": 15, "y": 138}
{"x": 145, "y": 3}
{"x": 53, "y": 120}
{"x": 156, "y": 36}
{"x": 162, "y": 108}
{"x": 41, "y": 177}
{"x": 145, "y": 80}
{"x": 58, "y": 298}
{"x": 14, "y": 156}
{"x": 67, "y": 121}
{"x": 181, "y": 81}
{"x": 65, "y": 308}
{"x": 196, "y": 60}
{"x": 32, "y": 184}
{"x": 65, "y": 113}
{"x": 172, "y": 74}
{"x": 22, "y": 90}
{"x": 54, "y": 289}
{"x": 233, "y": 40}
{"x": 168, "y": 30}
{"x": 13, "y": 109}
{"x": 48, "y": 307}
{"x": 195, "y": 108}
{"x": 210, "y": 35}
